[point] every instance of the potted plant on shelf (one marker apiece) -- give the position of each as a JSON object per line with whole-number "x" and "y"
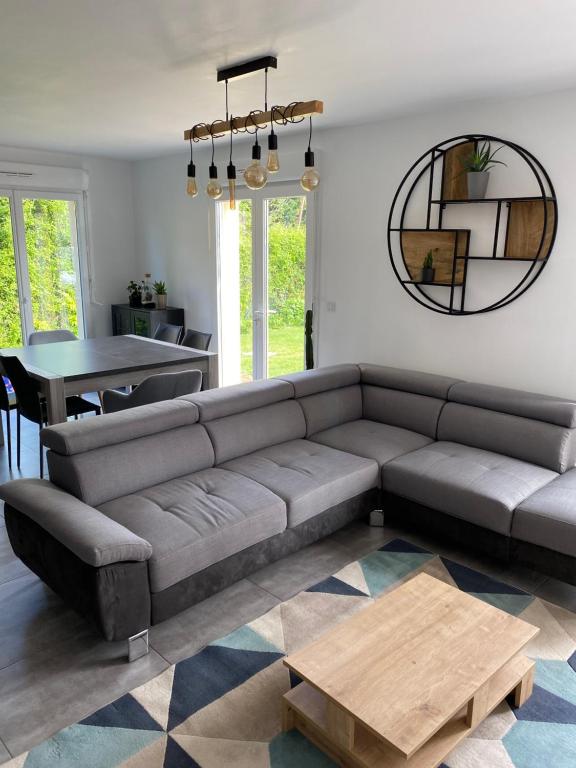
{"x": 428, "y": 271}
{"x": 477, "y": 166}
{"x": 161, "y": 296}
{"x": 134, "y": 293}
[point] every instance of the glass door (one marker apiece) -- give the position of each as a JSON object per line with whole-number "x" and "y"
{"x": 265, "y": 282}
{"x": 10, "y": 321}
{"x": 49, "y": 240}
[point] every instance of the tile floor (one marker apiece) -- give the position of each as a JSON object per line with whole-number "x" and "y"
{"x": 55, "y": 670}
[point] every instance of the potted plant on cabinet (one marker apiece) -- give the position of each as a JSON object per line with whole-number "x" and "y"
{"x": 134, "y": 293}
{"x": 161, "y": 296}
{"x": 428, "y": 271}
{"x": 477, "y": 166}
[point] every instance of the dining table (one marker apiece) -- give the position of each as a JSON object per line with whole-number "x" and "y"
{"x": 87, "y": 365}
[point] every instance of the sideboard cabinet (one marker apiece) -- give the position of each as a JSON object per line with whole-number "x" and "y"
{"x": 143, "y": 321}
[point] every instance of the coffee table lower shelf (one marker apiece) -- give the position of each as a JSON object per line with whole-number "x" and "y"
{"x": 306, "y": 709}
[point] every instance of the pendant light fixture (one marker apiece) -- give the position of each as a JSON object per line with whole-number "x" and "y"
{"x": 231, "y": 174}
{"x": 256, "y": 175}
{"x": 214, "y": 188}
{"x": 191, "y": 186}
{"x": 310, "y": 178}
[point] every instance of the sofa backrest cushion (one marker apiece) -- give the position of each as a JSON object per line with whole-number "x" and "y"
{"x": 244, "y": 433}
{"x": 238, "y": 398}
{"x": 409, "y": 399}
{"x": 113, "y": 470}
{"x": 329, "y": 409}
{"x": 322, "y": 379}
{"x": 537, "y": 442}
{"x": 112, "y": 428}
{"x": 552, "y": 410}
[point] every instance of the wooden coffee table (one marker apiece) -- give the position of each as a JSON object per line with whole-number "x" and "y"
{"x": 403, "y": 681}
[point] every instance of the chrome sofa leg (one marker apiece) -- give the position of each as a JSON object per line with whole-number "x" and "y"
{"x": 138, "y": 645}
{"x": 377, "y": 518}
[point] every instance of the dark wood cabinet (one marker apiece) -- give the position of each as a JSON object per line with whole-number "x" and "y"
{"x": 143, "y": 321}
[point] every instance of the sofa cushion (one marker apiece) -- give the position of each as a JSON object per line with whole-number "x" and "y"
{"x": 226, "y": 401}
{"x": 119, "y": 469}
{"x": 372, "y": 440}
{"x": 529, "y": 440}
{"x": 73, "y": 437}
{"x": 478, "y": 486}
{"x": 417, "y": 382}
{"x": 322, "y": 379}
{"x": 548, "y": 517}
{"x": 328, "y": 409}
{"x": 252, "y": 430}
{"x": 553, "y": 410}
{"x": 309, "y": 477}
{"x": 197, "y": 520}
{"x": 419, "y": 413}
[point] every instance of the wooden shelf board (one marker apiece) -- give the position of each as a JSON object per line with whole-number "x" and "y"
{"x": 309, "y": 710}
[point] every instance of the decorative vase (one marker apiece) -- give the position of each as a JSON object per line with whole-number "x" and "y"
{"x": 161, "y": 300}
{"x": 135, "y": 299}
{"x": 428, "y": 274}
{"x": 477, "y": 184}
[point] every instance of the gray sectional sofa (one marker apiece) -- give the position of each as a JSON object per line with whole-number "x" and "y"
{"x": 150, "y": 510}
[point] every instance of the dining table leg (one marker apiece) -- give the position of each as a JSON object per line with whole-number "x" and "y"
{"x": 55, "y": 399}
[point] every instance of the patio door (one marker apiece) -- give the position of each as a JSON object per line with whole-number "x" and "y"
{"x": 266, "y": 271}
{"x": 41, "y": 241}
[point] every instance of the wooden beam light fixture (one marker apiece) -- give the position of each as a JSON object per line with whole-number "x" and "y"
{"x": 256, "y": 175}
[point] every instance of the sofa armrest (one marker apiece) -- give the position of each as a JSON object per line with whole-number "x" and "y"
{"x": 91, "y": 536}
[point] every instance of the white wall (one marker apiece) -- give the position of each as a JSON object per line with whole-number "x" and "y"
{"x": 110, "y": 227}
{"x": 528, "y": 344}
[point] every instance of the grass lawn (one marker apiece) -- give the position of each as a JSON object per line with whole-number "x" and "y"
{"x": 285, "y": 351}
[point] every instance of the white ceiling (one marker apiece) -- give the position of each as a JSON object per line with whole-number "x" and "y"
{"x": 125, "y": 77}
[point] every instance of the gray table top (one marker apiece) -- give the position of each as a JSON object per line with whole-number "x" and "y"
{"x": 96, "y": 357}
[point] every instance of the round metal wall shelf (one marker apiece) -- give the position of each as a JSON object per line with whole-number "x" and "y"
{"x": 436, "y": 181}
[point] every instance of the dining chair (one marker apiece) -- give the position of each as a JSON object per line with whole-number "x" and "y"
{"x": 32, "y": 405}
{"x": 161, "y": 386}
{"x": 50, "y": 337}
{"x": 196, "y": 340}
{"x": 168, "y": 332}
{"x": 7, "y": 404}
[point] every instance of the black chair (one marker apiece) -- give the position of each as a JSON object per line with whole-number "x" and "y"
{"x": 168, "y": 332}
{"x": 7, "y": 404}
{"x": 32, "y": 405}
{"x": 196, "y": 340}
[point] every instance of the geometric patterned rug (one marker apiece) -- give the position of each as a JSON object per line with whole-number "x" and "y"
{"x": 221, "y": 707}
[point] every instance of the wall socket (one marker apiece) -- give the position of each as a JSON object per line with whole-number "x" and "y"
{"x": 331, "y": 306}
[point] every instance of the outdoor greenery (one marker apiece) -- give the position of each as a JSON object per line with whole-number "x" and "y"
{"x": 48, "y": 228}
{"x": 286, "y": 284}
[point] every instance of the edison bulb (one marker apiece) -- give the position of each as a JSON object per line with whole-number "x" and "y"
{"x": 272, "y": 164}
{"x": 232, "y": 193}
{"x": 310, "y": 179}
{"x": 255, "y": 175}
{"x": 214, "y": 189}
{"x": 192, "y": 187}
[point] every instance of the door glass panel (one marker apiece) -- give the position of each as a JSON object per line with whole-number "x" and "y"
{"x": 236, "y": 293}
{"x": 52, "y": 253}
{"x": 286, "y": 231}
{"x": 10, "y": 325}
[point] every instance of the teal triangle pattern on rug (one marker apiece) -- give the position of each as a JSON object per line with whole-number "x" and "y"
{"x": 541, "y": 745}
{"x": 292, "y": 750}
{"x": 90, "y": 746}
{"x": 382, "y": 569}
{"x": 513, "y": 604}
{"x": 334, "y": 586}
{"x": 246, "y": 639}
{"x": 557, "y": 677}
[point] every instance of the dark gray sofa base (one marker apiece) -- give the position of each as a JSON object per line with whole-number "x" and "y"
{"x": 410, "y": 515}
{"x": 116, "y": 598}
